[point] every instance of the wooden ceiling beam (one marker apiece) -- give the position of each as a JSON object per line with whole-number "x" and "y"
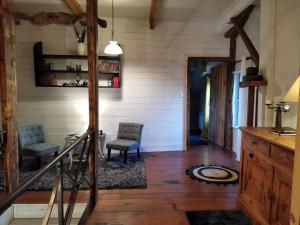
{"x": 74, "y": 6}
{"x": 42, "y": 19}
{"x": 251, "y": 48}
{"x": 154, "y": 5}
{"x": 241, "y": 20}
{"x": 77, "y": 10}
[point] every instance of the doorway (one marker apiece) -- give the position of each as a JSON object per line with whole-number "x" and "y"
{"x": 207, "y": 108}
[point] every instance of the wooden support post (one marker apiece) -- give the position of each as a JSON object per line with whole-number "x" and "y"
{"x": 250, "y": 114}
{"x": 92, "y": 38}
{"x": 74, "y": 6}
{"x": 153, "y": 13}
{"x": 229, "y": 86}
{"x": 251, "y": 48}
{"x": 8, "y": 92}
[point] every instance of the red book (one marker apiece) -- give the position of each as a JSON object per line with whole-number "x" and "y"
{"x": 116, "y": 82}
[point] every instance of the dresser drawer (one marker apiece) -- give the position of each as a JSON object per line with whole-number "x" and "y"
{"x": 282, "y": 157}
{"x": 256, "y": 145}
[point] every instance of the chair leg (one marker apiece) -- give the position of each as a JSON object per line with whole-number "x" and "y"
{"x": 39, "y": 162}
{"x": 138, "y": 152}
{"x": 108, "y": 154}
{"x": 125, "y": 157}
{"x": 20, "y": 160}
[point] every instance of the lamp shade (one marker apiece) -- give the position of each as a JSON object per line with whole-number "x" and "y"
{"x": 113, "y": 48}
{"x": 293, "y": 93}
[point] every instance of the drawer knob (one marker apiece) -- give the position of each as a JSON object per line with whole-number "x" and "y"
{"x": 254, "y": 143}
{"x": 289, "y": 157}
{"x": 251, "y": 155}
{"x": 292, "y": 217}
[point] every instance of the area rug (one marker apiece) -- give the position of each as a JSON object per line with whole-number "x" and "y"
{"x": 213, "y": 174}
{"x": 217, "y": 218}
{"x": 111, "y": 175}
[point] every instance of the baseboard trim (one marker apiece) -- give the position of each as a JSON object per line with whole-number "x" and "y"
{"x": 7, "y": 216}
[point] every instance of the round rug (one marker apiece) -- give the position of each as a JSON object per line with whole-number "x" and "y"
{"x": 213, "y": 174}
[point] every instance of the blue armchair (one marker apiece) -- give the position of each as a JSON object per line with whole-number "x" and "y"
{"x": 32, "y": 142}
{"x": 129, "y": 138}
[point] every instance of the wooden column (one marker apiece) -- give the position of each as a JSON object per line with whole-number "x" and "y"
{"x": 154, "y": 5}
{"x": 8, "y": 92}
{"x": 92, "y": 37}
{"x": 229, "y": 86}
{"x": 251, "y": 48}
{"x": 251, "y": 102}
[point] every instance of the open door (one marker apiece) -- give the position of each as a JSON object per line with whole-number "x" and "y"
{"x": 217, "y": 109}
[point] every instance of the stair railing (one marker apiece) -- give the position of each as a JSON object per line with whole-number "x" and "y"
{"x": 77, "y": 175}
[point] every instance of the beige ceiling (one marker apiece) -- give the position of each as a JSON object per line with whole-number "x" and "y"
{"x": 170, "y": 10}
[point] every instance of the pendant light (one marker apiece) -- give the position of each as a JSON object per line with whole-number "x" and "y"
{"x": 113, "y": 48}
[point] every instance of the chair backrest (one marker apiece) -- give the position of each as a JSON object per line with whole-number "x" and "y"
{"x": 31, "y": 134}
{"x": 130, "y": 131}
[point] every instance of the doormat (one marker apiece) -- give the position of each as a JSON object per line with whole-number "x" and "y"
{"x": 217, "y": 218}
{"x": 213, "y": 174}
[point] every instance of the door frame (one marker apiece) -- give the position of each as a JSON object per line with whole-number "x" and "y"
{"x": 228, "y": 60}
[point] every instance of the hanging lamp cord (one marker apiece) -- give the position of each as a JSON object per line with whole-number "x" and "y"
{"x": 112, "y": 20}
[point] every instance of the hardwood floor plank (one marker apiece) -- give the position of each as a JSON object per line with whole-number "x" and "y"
{"x": 169, "y": 193}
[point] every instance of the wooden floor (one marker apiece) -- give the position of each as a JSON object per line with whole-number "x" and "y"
{"x": 170, "y": 191}
{"x": 169, "y": 194}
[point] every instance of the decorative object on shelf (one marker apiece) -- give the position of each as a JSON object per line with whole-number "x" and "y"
{"x": 77, "y": 80}
{"x": 116, "y": 82}
{"x": 81, "y": 49}
{"x": 80, "y": 29}
{"x": 67, "y": 67}
{"x": 279, "y": 108}
{"x": 106, "y": 66}
{"x": 113, "y": 48}
{"x": 252, "y": 75}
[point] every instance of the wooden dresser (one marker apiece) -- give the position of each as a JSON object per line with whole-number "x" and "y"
{"x": 266, "y": 176}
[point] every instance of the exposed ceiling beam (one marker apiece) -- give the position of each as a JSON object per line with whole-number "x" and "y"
{"x": 241, "y": 19}
{"x": 74, "y": 6}
{"x": 223, "y": 22}
{"x": 77, "y": 10}
{"x": 154, "y": 6}
{"x": 251, "y": 48}
{"x": 42, "y": 19}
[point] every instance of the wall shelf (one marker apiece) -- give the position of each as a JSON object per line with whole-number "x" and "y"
{"x": 253, "y": 83}
{"x": 50, "y": 72}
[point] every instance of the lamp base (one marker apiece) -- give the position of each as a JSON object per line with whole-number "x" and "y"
{"x": 284, "y": 131}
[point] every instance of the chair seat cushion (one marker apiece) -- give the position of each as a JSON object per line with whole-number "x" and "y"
{"x": 122, "y": 144}
{"x": 40, "y": 149}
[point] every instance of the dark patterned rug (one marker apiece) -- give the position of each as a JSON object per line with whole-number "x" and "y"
{"x": 112, "y": 175}
{"x": 217, "y": 218}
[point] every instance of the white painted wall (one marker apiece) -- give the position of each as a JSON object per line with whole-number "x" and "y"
{"x": 280, "y": 53}
{"x": 154, "y": 78}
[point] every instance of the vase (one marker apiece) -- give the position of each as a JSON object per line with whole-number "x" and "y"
{"x": 81, "y": 48}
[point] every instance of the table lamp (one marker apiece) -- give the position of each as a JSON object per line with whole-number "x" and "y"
{"x": 291, "y": 96}
{"x": 293, "y": 93}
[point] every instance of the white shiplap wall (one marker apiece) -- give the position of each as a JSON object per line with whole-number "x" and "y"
{"x": 153, "y": 80}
